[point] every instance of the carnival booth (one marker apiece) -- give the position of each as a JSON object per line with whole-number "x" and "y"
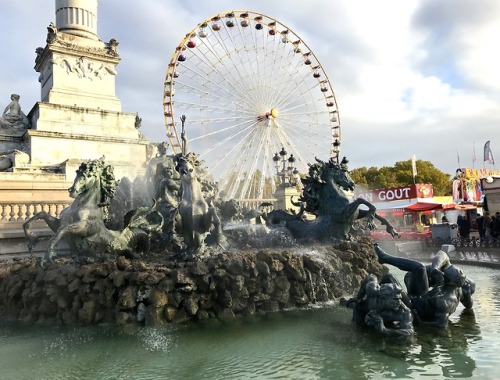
{"x": 411, "y": 209}
{"x": 472, "y": 187}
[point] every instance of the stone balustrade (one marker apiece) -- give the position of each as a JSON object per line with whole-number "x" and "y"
{"x": 254, "y": 203}
{"x": 21, "y": 211}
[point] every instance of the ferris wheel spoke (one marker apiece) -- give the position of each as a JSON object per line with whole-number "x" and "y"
{"x": 228, "y": 153}
{"x": 243, "y": 64}
{"x": 229, "y": 138}
{"x": 212, "y": 108}
{"x": 218, "y": 120}
{"x": 305, "y": 103}
{"x": 305, "y": 128}
{"x": 198, "y": 78}
{"x": 222, "y": 130}
{"x": 283, "y": 90}
{"x": 296, "y": 72}
{"x": 216, "y": 81}
{"x": 255, "y": 182}
{"x": 292, "y": 96}
{"x": 229, "y": 72}
{"x": 298, "y": 132}
{"x": 253, "y": 166}
{"x": 274, "y": 70}
{"x": 286, "y": 141}
{"x": 241, "y": 166}
{"x": 265, "y": 167}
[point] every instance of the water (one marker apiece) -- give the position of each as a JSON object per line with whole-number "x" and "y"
{"x": 319, "y": 343}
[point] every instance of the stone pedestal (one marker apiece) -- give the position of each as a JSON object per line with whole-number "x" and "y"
{"x": 284, "y": 196}
{"x": 70, "y": 135}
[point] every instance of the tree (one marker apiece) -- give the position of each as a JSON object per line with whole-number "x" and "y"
{"x": 401, "y": 174}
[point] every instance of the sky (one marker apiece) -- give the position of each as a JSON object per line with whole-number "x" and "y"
{"x": 413, "y": 77}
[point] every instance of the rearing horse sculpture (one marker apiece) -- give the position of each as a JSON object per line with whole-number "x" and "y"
{"x": 82, "y": 223}
{"x": 324, "y": 196}
{"x": 196, "y": 214}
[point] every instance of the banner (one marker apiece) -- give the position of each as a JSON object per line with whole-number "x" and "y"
{"x": 469, "y": 173}
{"x": 488, "y": 154}
{"x": 420, "y": 190}
{"x": 414, "y": 165}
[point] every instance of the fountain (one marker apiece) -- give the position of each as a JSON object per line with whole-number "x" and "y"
{"x": 157, "y": 268}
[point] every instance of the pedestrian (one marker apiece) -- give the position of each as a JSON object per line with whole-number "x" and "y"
{"x": 487, "y": 226}
{"x": 493, "y": 224}
{"x": 497, "y": 225}
{"x": 480, "y": 226}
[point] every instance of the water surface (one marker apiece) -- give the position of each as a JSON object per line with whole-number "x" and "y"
{"x": 320, "y": 343}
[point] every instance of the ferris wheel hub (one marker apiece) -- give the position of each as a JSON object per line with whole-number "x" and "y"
{"x": 273, "y": 114}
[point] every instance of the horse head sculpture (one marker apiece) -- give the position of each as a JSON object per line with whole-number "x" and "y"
{"x": 335, "y": 172}
{"x": 94, "y": 182}
{"x": 85, "y": 180}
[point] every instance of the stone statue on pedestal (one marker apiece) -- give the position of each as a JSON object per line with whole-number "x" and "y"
{"x": 12, "y": 116}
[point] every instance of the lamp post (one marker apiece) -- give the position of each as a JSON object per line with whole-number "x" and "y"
{"x": 336, "y": 150}
{"x": 285, "y": 173}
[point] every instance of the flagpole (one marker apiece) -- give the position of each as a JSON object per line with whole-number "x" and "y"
{"x": 473, "y": 155}
{"x": 414, "y": 167}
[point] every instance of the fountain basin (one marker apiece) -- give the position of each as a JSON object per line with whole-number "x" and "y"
{"x": 155, "y": 291}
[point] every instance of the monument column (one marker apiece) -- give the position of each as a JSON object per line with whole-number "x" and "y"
{"x": 78, "y": 17}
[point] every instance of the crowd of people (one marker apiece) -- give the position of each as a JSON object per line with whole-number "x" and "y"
{"x": 488, "y": 226}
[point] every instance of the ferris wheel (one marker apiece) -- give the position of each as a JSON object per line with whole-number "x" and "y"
{"x": 256, "y": 99}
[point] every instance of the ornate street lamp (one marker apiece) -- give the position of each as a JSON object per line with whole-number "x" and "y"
{"x": 336, "y": 150}
{"x": 285, "y": 173}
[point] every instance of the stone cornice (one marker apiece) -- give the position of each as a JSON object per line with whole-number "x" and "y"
{"x": 40, "y": 105}
{"x": 58, "y": 42}
{"x": 88, "y": 50}
{"x": 74, "y": 136}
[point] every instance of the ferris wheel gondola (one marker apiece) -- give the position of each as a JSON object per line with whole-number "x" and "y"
{"x": 249, "y": 87}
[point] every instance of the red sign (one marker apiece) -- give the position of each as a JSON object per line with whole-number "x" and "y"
{"x": 397, "y": 193}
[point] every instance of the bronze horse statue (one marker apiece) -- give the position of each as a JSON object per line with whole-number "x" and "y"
{"x": 196, "y": 214}
{"x": 324, "y": 196}
{"x": 83, "y": 222}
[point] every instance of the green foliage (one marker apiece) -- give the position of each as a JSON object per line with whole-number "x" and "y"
{"x": 401, "y": 175}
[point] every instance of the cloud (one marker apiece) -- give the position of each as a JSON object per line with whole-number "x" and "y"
{"x": 410, "y": 77}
